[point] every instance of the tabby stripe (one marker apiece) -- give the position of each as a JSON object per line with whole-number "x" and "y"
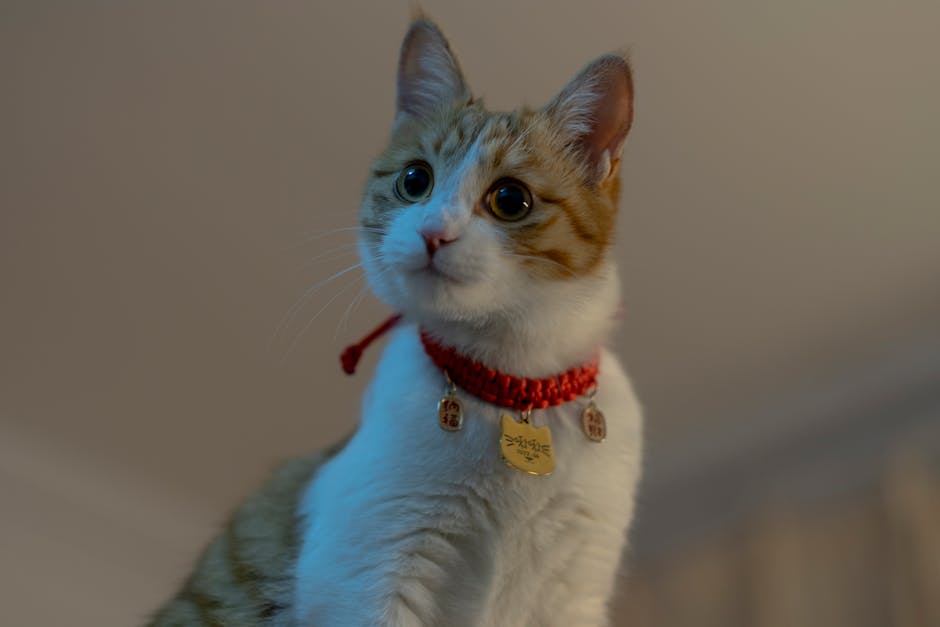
{"x": 474, "y": 133}
{"x": 552, "y": 254}
{"x": 270, "y": 609}
{"x": 556, "y": 255}
{"x": 498, "y": 155}
{"x": 467, "y": 136}
{"x": 579, "y": 228}
{"x": 372, "y": 225}
{"x": 206, "y": 607}
{"x": 245, "y": 574}
{"x": 381, "y": 198}
{"x": 535, "y": 229}
{"x": 290, "y": 533}
{"x": 383, "y": 173}
{"x": 452, "y": 146}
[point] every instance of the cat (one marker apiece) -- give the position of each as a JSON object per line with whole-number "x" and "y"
{"x": 491, "y": 234}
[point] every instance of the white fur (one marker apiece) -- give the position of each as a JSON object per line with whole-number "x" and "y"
{"x": 413, "y": 525}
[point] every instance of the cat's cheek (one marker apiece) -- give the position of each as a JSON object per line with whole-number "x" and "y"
{"x": 384, "y": 283}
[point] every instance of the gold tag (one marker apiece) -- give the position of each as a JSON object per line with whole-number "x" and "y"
{"x": 594, "y": 423}
{"x": 450, "y": 413}
{"x": 527, "y": 448}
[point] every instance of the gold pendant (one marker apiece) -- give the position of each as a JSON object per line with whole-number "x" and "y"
{"x": 525, "y": 447}
{"x": 450, "y": 413}
{"x": 449, "y": 409}
{"x": 594, "y": 423}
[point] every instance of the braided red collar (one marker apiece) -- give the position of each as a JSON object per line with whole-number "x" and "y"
{"x": 493, "y": 386}
{"x": 505, "y": 390}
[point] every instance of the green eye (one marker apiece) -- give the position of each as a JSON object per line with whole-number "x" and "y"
{"x": 415, "y": 182}
{"x": 509, "y": 200}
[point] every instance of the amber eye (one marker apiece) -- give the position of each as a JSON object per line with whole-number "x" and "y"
{"x": 415, "y": 182}
{"x": 509, "y": 200}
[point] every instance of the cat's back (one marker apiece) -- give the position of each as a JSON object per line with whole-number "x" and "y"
{"x": 245, "y": 576}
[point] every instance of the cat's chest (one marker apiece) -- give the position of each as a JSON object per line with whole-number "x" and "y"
{"x": 411, "y": 508}
{"x": 401, "y": 416}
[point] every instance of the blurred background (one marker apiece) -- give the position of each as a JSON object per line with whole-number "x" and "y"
{"x": 172, "y": 178}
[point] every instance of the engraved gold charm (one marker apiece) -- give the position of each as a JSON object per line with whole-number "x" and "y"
{"x": 449, "y": 409}
{"x": 593, "y": 423}
{"x": 525, "y": 447}
{"x": 592, "y": 419}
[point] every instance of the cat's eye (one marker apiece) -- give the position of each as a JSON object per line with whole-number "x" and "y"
{"x": 509, "y": 200}
{"x": 415, "y": 182}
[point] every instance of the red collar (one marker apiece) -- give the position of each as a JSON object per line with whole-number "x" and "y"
{"x": 520, "y": 393}
{"x": 506, "y": 390}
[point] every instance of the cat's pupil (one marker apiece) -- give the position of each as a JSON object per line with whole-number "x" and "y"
{"x": 511, "y": 200}
{"x": 416, "y": 181}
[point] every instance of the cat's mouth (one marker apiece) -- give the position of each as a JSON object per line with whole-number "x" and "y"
{"x": 434, "y": 271}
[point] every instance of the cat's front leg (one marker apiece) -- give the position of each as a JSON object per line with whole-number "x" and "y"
{"x": 421, "y": 578}
{"x": 410, "y": 603}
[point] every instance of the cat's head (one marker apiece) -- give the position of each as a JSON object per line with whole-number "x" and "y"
{"x": 473, "y": 216}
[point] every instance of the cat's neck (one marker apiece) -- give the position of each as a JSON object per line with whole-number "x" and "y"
{"x": 540, "y": 339}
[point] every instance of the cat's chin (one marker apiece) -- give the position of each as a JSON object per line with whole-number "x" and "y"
{"x": 432, "y": 293}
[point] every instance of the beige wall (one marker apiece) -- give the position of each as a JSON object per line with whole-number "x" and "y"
{"x": 167, "y": 169}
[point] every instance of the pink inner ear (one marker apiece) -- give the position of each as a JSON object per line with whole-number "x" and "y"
{"x": 428, "y": 74}
{"x": 613, "y": 112}
{"x": 612, "y": 118}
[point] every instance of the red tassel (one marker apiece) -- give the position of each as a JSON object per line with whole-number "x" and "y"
{"x": 353, "y": 353}
{"x": 350, "y": 358}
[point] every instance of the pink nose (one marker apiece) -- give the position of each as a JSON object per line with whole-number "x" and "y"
{"x": 433, "y": 240}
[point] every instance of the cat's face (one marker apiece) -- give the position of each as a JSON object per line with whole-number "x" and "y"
{"x": 469, "y": 214}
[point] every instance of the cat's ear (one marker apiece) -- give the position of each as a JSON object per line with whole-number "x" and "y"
{"x": 595, "y": 111}
{"x": 428, "y": 75}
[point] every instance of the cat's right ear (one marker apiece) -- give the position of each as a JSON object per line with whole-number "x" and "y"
{"x": 429, "y": 78}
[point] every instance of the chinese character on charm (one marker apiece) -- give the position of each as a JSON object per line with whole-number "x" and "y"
{"x": 593, "y": 423}
{"x": 450, "y": 413}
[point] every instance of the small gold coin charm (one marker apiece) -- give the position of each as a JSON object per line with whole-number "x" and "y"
{"x": 449, "y": 410}
{"x": 525, "y": 447}
{"x": 593, "y": 423}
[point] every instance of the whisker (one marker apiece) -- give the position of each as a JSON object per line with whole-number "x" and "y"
{"x": 357, "y": 299}
{"x": 295, "y": 308}
{"x": 337, "y": 252}
{"x": 315, "y": 233}
{"x": 303, "y": 331}
{"x": 343, "y": 229}
{"x": 343, "y": 324}
{"x": 520, "y": 137}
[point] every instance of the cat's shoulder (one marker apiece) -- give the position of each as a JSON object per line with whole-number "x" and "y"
{"x": 245, "y": 574}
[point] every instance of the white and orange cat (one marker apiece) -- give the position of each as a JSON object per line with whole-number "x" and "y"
{"x": 491, "y": 233}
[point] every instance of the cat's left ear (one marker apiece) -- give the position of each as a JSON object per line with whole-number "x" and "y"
{"x": 429, "y": 78}
{"x": 595, "y": 111}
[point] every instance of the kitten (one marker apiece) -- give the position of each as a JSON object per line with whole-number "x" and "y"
{"x": 491, "y": 233}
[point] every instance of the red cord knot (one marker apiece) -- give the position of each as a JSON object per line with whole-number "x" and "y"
{"x": 353, "y": 353}
{"x": 350, "y": 358}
